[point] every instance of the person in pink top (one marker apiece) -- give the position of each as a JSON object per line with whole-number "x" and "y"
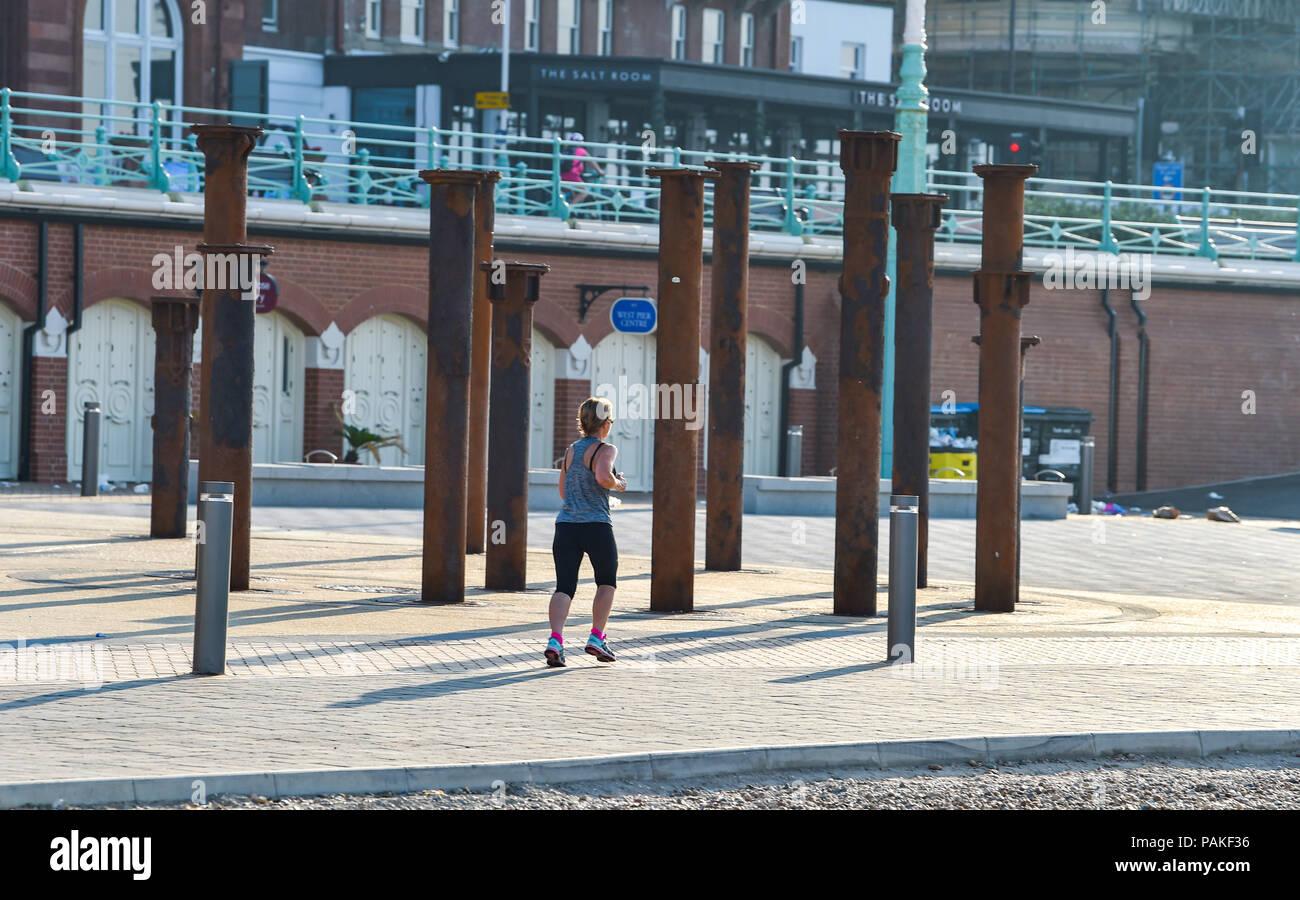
{"x": 571, "y": 171}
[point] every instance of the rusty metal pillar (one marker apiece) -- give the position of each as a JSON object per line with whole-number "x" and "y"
{"x": 512, "y": 400}
{"x": 677, "y": 373}
{"x": 451, "y": 310}
{"x": 481, "y": 361}
{"x": 916, "y": 217}
{"x": 1025, "y": 343}
{"x": 226, "y": 379}
{"x": 1001, "y": 291}
{"x": 725, "y": 484}
{"x": 868, "y": 159}
{"x": 174, "y": 321}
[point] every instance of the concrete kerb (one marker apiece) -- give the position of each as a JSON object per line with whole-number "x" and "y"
{"x": 658, "y": 765}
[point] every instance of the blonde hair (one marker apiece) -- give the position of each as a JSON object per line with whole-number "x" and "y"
{"x": 593, "y": 414}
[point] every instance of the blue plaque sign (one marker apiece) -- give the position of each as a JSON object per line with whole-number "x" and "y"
{"x": 634, "y": 315}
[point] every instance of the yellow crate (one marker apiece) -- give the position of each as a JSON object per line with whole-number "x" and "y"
{"x": 943, "y": 463}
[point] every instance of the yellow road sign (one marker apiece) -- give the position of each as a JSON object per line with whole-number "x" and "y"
{"x": 492, "y": 100}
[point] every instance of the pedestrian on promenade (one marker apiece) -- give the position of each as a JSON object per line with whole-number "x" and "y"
{"x": 573, "y": 173}
{"x": 583, "y": 526}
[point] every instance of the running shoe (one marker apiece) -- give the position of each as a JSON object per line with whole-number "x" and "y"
{"x": 555, "y": 654}
{"x": 599, "y": 648}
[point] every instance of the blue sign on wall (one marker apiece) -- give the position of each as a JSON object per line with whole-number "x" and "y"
{"x": 634, "y": 315}
{"x": 1167, "y": 176}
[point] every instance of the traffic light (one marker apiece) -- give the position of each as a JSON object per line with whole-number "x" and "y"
{"x": 1017, "y": 148}
{"x": 1021, "y": 149}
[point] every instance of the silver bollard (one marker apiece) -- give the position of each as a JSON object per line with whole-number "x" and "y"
{"x": 1087, "y": 450}
{"x": 212, "y": 576}
{"x": 903, "y": 522}
{"x": 793, "y": 451}
{"x": 90, "y": 450}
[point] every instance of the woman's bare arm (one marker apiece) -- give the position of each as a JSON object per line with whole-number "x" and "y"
{"x": 564, "y": 468}
{"x": 605, "y": 470}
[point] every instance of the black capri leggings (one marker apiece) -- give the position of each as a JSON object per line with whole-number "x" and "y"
{"x": 572, "y": 539}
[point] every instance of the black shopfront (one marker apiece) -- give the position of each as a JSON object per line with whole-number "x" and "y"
{"x": 723, "y": 109}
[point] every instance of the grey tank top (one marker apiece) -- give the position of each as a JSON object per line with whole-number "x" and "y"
{"x": 584, "y": 499}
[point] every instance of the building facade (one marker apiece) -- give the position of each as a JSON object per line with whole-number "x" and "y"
{"x": 353, "y": 301}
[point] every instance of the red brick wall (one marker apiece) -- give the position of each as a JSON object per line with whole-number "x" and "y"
{"x": 49, "y": 429}
{"x": 1207, "y": 346}
{"x": 569, "y": 394}
{"x": 323, "y": 390}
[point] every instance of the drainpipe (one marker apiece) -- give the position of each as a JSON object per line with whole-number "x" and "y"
{"x": 78, "y": 281}
{"x": 1112, "y": 403}
{"x": 29, "y": 338}
{"x": 1144, "y": 359}
{"x": 783, "y": 449}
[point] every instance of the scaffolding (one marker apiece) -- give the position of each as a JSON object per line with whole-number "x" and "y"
{"x": 1235, "y": 63}
{"x": 1197, "y": 64}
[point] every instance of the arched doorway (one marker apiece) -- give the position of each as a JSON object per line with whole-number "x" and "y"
{"x": 110, "y": 360}
{"x": 626, "y": 362}
{"x": 277, "y": 389}
{"x": 542, "y": 416}
{"x": 384, "y": 368}
{"x": 762, "y": 406}
{"x": 11, "y": 389}
{"x": 631, "y": 357}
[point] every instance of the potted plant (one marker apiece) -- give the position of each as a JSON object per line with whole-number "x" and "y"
{"x": 360, "y": 439}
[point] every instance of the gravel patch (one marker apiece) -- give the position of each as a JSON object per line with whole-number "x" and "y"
{"x": 1236, "y": 781}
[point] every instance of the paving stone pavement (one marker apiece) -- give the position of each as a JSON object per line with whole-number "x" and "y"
{"x": 1132, "y": 554}
{"x": 333, "y": 665}
{"x": 187, "y": 725}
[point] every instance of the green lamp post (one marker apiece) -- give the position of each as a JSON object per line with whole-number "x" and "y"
{"x": 909, "y": 121}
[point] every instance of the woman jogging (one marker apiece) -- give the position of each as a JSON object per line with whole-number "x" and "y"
{"x": 583, "y": 527}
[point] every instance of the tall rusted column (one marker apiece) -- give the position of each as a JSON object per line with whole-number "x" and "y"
{"x": 174, "y": 321}
{"x": 1025, "y": 343}
{"x": 512, "y": 400}
{"x": 677, "y": 371}
{"x": 481, "y": 361}
{"x": 226, "y": 379}
{"x": 868, "y": 159}
{"x": 446, "y": 443}
{"x": 725, "y": 485}
{"x": 1001, "y": 290}
{"x": 916, "y": 216}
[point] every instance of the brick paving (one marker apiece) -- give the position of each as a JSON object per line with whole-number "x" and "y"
{"x": 333, "y": 664}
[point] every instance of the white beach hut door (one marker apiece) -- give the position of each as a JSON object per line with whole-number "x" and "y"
{"x": 626, "y": 362}
{"x": 110, "y": 359}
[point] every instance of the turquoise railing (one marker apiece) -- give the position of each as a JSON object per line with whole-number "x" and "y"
{"x": 49, "y": 137}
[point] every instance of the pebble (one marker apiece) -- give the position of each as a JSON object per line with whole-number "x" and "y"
{"x": 1237, "y": 781}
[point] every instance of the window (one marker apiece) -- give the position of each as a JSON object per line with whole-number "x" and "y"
{"x": 451, "y": 23}
{"x": 372, "y": 18}
{"x": 679, "y": 31}
{"x": 413, "y": 21}
{"x": 531, "y": 24}
{"x": 270, "y": 15}
{"x": 853, "y": 60}
{"x": 605, "y": 27}
{"x": 796, "y": 53}
{"x": 568, "y": 20}
{"x": 132, "y": 54}
{"x": 711, "y": 51}
{"x": 746, "y": 39}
